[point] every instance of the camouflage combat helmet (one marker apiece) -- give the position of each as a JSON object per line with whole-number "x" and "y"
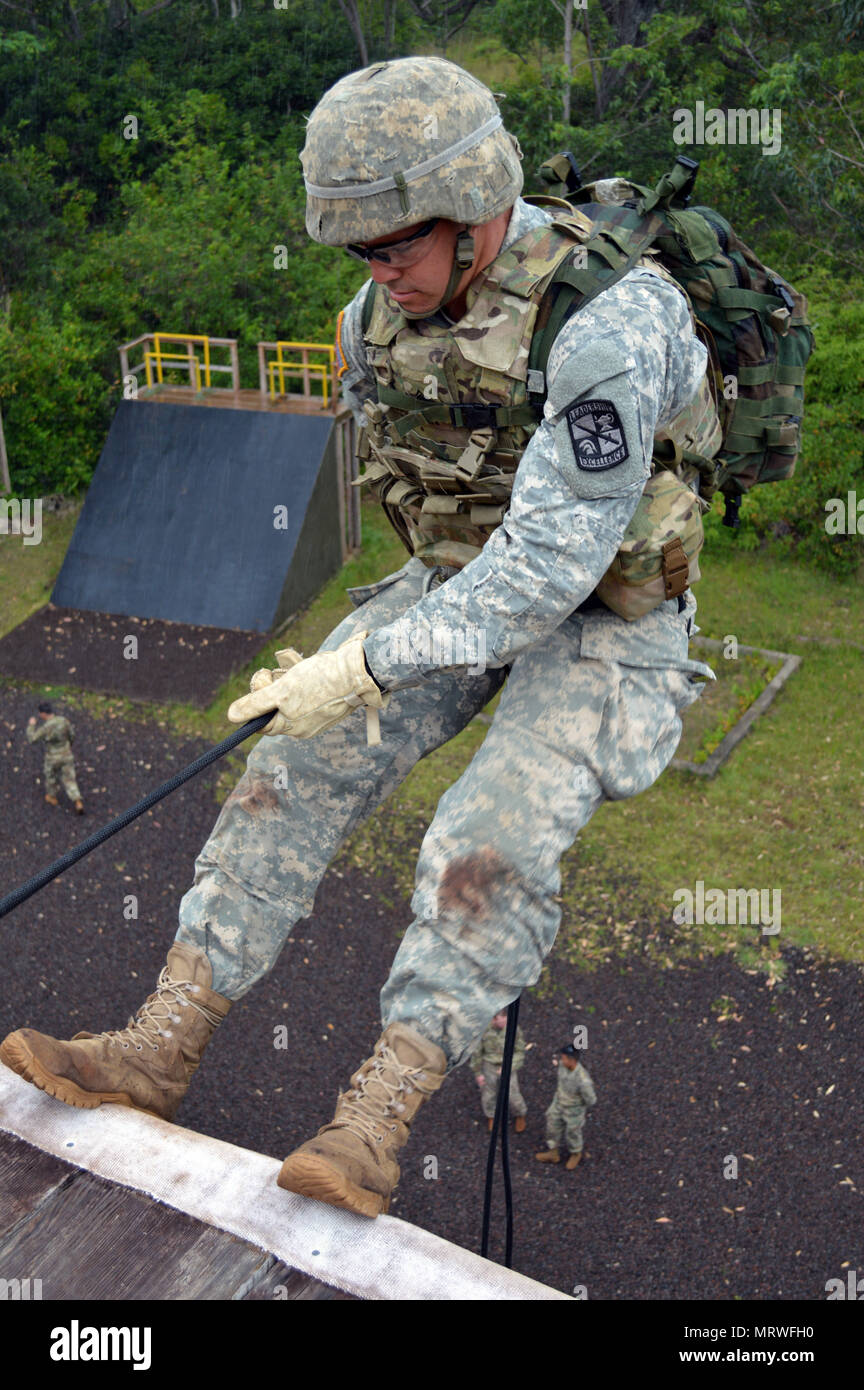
{"x": 401, "y": 143}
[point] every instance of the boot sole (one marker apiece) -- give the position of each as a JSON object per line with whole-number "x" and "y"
{"x": 19, "y": 1058}
{"x": 310, "y": 1176}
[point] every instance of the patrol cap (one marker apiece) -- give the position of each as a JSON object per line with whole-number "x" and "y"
{"x": 403, "y": 142}
{"x": 45, "y": 708}
{"x": 571, "y": 1051}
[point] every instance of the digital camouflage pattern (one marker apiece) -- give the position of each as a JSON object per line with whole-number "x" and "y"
{"x": 58, "y": 765}
{"x": 487, "y": 1062}
{"x": 565, "y": 1117}
{"x": 489, "y": 1055}
{"x": 590, "y": 710}
{"x": 567, "y": 735}
{"x": 402, "y": 115}
{"x": 489, "y": 1096}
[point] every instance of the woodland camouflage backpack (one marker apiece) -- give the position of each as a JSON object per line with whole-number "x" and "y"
{"x": 752, "y": 322}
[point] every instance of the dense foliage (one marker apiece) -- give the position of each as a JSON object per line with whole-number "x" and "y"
{"x": 149, "y": 173}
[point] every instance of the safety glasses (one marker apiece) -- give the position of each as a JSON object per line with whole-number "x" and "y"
{"x": 398, "y": 253}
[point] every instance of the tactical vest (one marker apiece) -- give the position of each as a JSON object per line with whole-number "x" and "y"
{"x": 458, "y": 403}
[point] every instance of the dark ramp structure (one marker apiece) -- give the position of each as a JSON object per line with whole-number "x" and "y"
{"x": 212, "y": 518}
{"x": 220, "y": 518}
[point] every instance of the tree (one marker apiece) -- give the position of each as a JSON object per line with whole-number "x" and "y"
{"x": 351, "y": 11}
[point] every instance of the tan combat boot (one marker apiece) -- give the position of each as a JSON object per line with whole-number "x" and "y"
{"x": 520, "y": 1124}
{"x": 146, "y": 1065}
{"x": 574, "y": 1160}
{"x": 79, "y": 807}
{"x": 52, "y": 800}
{"x": 548, "y": 1156}
{"x": 351, "y": 1162}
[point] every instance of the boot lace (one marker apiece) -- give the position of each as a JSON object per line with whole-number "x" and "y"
{"x": 376, "y": 1097}
{"x": 159, "y": 1009}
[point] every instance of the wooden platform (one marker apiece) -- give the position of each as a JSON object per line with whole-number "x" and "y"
{"x": 113, "y": 1204}
{"x": 244, "y": 399}
{"x": 81, "y": 1237}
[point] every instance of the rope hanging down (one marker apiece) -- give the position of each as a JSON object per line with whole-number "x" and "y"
{"x": 502, "y": 1107}
{"x": 20, "y": 895}
{"x": 502, "y": 1113}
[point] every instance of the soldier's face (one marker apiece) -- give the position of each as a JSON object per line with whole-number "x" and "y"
{"x": 419, "y": 286}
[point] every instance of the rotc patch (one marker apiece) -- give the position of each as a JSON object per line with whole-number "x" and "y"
{"x": 597, "y": 435}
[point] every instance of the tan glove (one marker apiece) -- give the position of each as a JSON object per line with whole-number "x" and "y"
{"x": 314, "y": 694}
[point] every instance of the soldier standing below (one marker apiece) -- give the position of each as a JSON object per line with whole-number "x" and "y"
{"x": 574, "y": 1096}
{"x": 58, "y": 765}
{"x": 486, "y": 1065}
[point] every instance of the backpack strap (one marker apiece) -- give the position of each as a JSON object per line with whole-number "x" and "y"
{"x": 615, "y": 247}
{"x": 368, "y": 307}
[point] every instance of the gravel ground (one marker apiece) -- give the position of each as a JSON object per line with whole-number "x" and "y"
{"x": 771, "y": 1077}
{"x": 69, "y": 646}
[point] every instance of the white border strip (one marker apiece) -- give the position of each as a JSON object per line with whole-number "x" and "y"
{"x": 235, "y": 1190}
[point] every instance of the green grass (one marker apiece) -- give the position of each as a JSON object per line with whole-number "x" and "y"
{"x": 786, "y": 811}
{"x": 723, "y": 701}
{"x": 27, "y": 572}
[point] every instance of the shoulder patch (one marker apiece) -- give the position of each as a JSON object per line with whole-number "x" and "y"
{"x": 597, "y": 435}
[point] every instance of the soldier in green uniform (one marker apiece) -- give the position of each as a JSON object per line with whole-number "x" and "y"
{"x": 58, "y": 765}
{"x": 486, "y": 1064}
{"x": 574, "y": 1096}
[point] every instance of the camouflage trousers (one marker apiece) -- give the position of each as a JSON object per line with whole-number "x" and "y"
{"x": 57, "y": 771}
{"x": 569, "y": 733}
{"x": 565, "y": 1123}
{"x": 489, "y": 1096}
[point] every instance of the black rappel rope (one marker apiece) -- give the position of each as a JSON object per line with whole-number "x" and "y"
{"x": 502, "y": 1105}
{"x": 20, "y": 895}
{"x": 502, "y": 1113}
{"x": 40, "y": 880}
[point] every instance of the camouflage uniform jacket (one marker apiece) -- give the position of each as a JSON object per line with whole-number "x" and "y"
{"x": 575, "y": 1089}
{"x": 57, "y": 734}
{"x": 631, "y": 348}
{"x": 489, "y": 1055}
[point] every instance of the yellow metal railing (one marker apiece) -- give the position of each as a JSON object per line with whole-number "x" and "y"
{"x": 159, "y": 354}
{"x": 279, "y": 367}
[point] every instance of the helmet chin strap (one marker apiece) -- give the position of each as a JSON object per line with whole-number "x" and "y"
{"x": 463, "y": 257}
